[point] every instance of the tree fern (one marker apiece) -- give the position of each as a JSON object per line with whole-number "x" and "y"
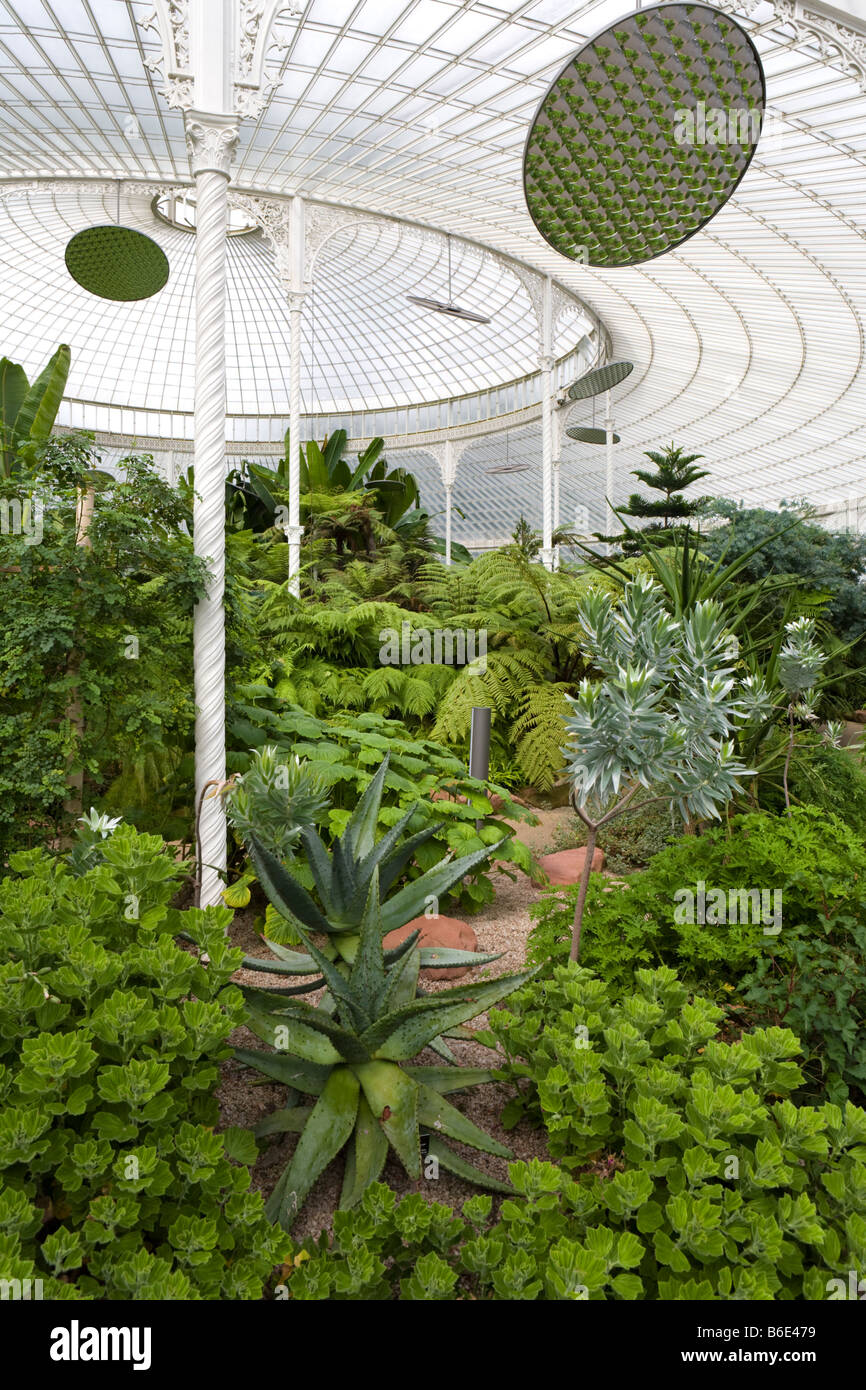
{"x": 538, "y": 734}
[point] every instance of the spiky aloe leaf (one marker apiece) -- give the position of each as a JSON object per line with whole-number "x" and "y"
{"x": 344, "y": 887}
{"x": 441, "y": 957}
{"x": 312, "y": 1035}
{"x": 365, "y": 1156}
{"x": 393, "y": 861}
{"x": 401, "y": 984}
{"x": 301, "y": 1075}
{"x": 411, "y": 900}
{"x": 299, "y": 962}
{"x": 360, "y": 832}
{"x": 337, "y": 983}
{"x": 319, "y": 862}
{"x": 441, "y": 1048}
{"x": 393, "y": 1099}
{"x": 453, "y": 1163}
{"x": 287, "y": 896}
{"x": 291, "y": 1120}
{"x": 283, "y": 991}
{"x": 367, "y": 978}
{"x": 330, "y": 1124}
{"x": 402, "y": 1033}
{"x": 447, "y": 1079}
{"x": 395, "y": 954}
{"x": 440, "y": 1115}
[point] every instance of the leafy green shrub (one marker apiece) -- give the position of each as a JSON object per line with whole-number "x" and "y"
{"x": 833, "y": 779}
{"x": 730, "y": 1189}
{"x": 412, "y": 1249}
{"x": 810, "y": 974}
{"x": 828, "y": 565}
{"x": 110, "y": 1039}
{"x": 111, "y": 623}
{"x": 344, "y": 753}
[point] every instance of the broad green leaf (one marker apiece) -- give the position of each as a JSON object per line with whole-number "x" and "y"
{"x": 393, "y": 1100}
{"x": 40, "y": 406}
{"x": 403, "y": 1033}
{"x": 331, "y": 1122}
{"x": 440, "y": 1115}
{"x": 365, "y": 1156}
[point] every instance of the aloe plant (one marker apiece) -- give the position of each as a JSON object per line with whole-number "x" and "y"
{"x": 28, "y": 412}
{"x": 343, "y": 881}
{"x": 366, "y": 1101}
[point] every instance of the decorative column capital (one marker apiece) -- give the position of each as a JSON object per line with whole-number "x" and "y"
{"x": 212, "y": 141}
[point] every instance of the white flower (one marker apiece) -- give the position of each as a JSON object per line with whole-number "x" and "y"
{"x": 102, "y": 824}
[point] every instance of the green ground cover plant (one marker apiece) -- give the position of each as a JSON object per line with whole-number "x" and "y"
{"x": 707, "y": 1182}
{"x": 798, "y": 960}
{"x": 113, "y": 1183}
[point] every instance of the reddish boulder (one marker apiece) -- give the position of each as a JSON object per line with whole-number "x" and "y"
{"x": 449, "y": 932}
{"x": 567, "y": 866}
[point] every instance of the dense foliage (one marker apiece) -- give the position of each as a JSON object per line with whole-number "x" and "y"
{"x": 719, "y": 1187}
{"x": 96, "y": 662}
{"x": 771, "y": 906}
{"x": 114, "y": 1184}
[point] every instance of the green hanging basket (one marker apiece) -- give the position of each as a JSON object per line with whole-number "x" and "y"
{"x": 117, "y": 263}
{"x": 585, "y": 434}
{"x": 644, "y": 135}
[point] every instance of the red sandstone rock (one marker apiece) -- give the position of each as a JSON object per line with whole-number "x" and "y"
{"x": 449, "y": 932}
{"x": 567, "y": 866}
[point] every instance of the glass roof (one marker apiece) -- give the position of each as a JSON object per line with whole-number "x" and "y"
{"x": 365, "y": 346}
{"x": 748, "y": 339}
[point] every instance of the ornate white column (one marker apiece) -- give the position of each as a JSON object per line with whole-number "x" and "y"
{"x": 558, "y": 424}
{"x": 212, "y": 140}
{"x": 547, "y": 407}
{"x": 608, "y": 489}
{"x": 297, "y": 249}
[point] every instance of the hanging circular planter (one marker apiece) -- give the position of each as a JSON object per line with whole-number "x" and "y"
{"x": 117, "y": 262}
{"x": 644, "y": 135}
{"x": 599, "y": 379}
{"x": 586, "y": 434}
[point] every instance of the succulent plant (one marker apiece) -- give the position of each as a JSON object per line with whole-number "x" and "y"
{"x": 343, "y": 880}
{"x": 350, "y": 1061}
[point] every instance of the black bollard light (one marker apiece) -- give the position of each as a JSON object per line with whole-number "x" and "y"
{"x": 479, "y": 745}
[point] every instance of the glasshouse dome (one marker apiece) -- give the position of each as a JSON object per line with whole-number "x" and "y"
{"x": 432, "y": 510}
